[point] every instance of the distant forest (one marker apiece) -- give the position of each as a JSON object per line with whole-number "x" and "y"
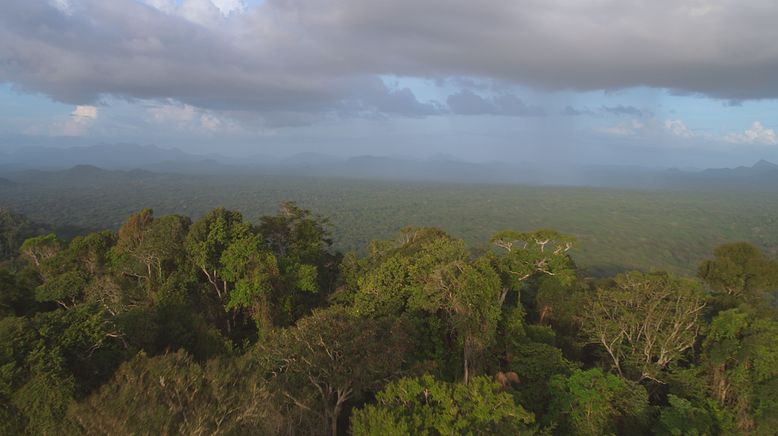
{"x": 220, "y": 324}
{"x": 618, "y": 229}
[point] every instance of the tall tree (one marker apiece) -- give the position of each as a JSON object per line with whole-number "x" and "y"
{"x": 593, "y": 403}
{"x": 254, "y": 271}
{"x": 524, "y": 255}
{"x": 645, "y": 321}
{"x": 740, "y": 358}
{"x": 207, "y": 240}
{"x": 177, "y": 396}
{"x": 301, "y": 244}
{"x": 469, "y": 294}
{"x": 425, "y": 405}
{"x": 329, "y": 358}
{"x": 739, "y": 273}
{"x": 150, "y": 249}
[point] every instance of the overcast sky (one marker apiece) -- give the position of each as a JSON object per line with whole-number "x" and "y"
{"x": 655, "y": 83}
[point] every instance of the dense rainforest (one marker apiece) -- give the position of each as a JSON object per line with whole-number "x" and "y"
{"x": 220, "y": 325}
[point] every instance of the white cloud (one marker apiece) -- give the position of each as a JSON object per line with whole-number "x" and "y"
{"x": 184, "y": 116}
{"x": 204, "y": 12}
{"x": 623, "y": 129}
{"x": 80, "y": 120}
{"x": 756, "y": 134}
{"x": 84, "y": 113}
{"x": 678, "y": 128}
{"x": 173, "y": 113}
{"x": 209, "y": 122}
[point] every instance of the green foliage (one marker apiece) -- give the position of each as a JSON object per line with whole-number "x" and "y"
{"x": 525, "y": 254}
{"x": 329, "y": 358}
{"x": 253, "y": 270}
{"x": 16, "y": 298}
{"x": 397, "y": 271}
{"x": 682, "y": 418}
{"x": 40, "y": 249}
{"x": 594, "y": 403}
{"x": 740, "y": 357}
{"x": 739, "y": 272}
{"x": 96, "y": 353}
{"x": 536, "y": 364}
{"x": 425, "y": 406}
{"x": 14, "y": 230}
{"x": 63, "y": 289}
{"x": 49, "y": 360}
{"x": 207, "y": 240}
{"x": 179, "y": 396}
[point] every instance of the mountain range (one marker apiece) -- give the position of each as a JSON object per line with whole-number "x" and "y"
{"x": 138, "y": 161}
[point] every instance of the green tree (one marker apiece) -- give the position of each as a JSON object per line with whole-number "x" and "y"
{"x": 644, "y": 321}
{"x": 739, "y": 272}
{"x": 207, "y": 240}
{"x": 469, "y": 294}
{"x": 683, "y": 418}
{"x": 16, "y": 298}
{"x": 254, "y": 271}
{"x": 40, "y": 249}
{"x": 525, "y": 255}
{"x": 396, "y": 272}
{"x": 307, "y": 268}
{"x": 150, "y": 249}
{"x": 426, "y": 406}
{"x": 595, "y": 403}
{"x": 91, "y": 251}
{"x": 740, "y": 357}
{"x": 47, "y": 361}
{"x": 14, "y": 230}
{"x": 64, "y": 289}
{"x": 328, "y": 359}
{"x": 172, "y": 394}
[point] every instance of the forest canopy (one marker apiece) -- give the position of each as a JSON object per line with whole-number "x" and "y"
{"x": 220, "y": 325}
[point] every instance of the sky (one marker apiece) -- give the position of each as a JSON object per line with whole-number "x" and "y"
{"x": 661, "y": 83}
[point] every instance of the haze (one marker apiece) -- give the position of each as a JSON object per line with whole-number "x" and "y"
{"x": 657, "y": 84}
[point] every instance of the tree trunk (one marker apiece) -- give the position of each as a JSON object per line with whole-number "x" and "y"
{"x": 466, "y": 363}
{"x": 334, "y": 424}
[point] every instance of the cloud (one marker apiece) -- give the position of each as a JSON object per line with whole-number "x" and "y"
{"x": 467, "y": 102}
{"x": 186, "y": 117}
{"x": 623, "y": 129}
{"x": 624, "y": 110}
{"x": 756, "y": 134}
{"x": 678, "y": 128}
{"x": 84, "y": 113}
{"x": 78, "y": 123}
{"x": 309, "y": 56}
{"x": 573, "y": 112}
{"x": 175, "y": 113}
{"x": 376, "y": 96}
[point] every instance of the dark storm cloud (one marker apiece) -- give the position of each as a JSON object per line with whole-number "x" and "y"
{"x": 466, "y": 102}
{"x": 314, "y": 56}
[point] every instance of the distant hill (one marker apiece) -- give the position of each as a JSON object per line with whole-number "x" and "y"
{"x": 136, "y": 162}
{"x": 83, "y": 175}
{"x": 113, "y": 156}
